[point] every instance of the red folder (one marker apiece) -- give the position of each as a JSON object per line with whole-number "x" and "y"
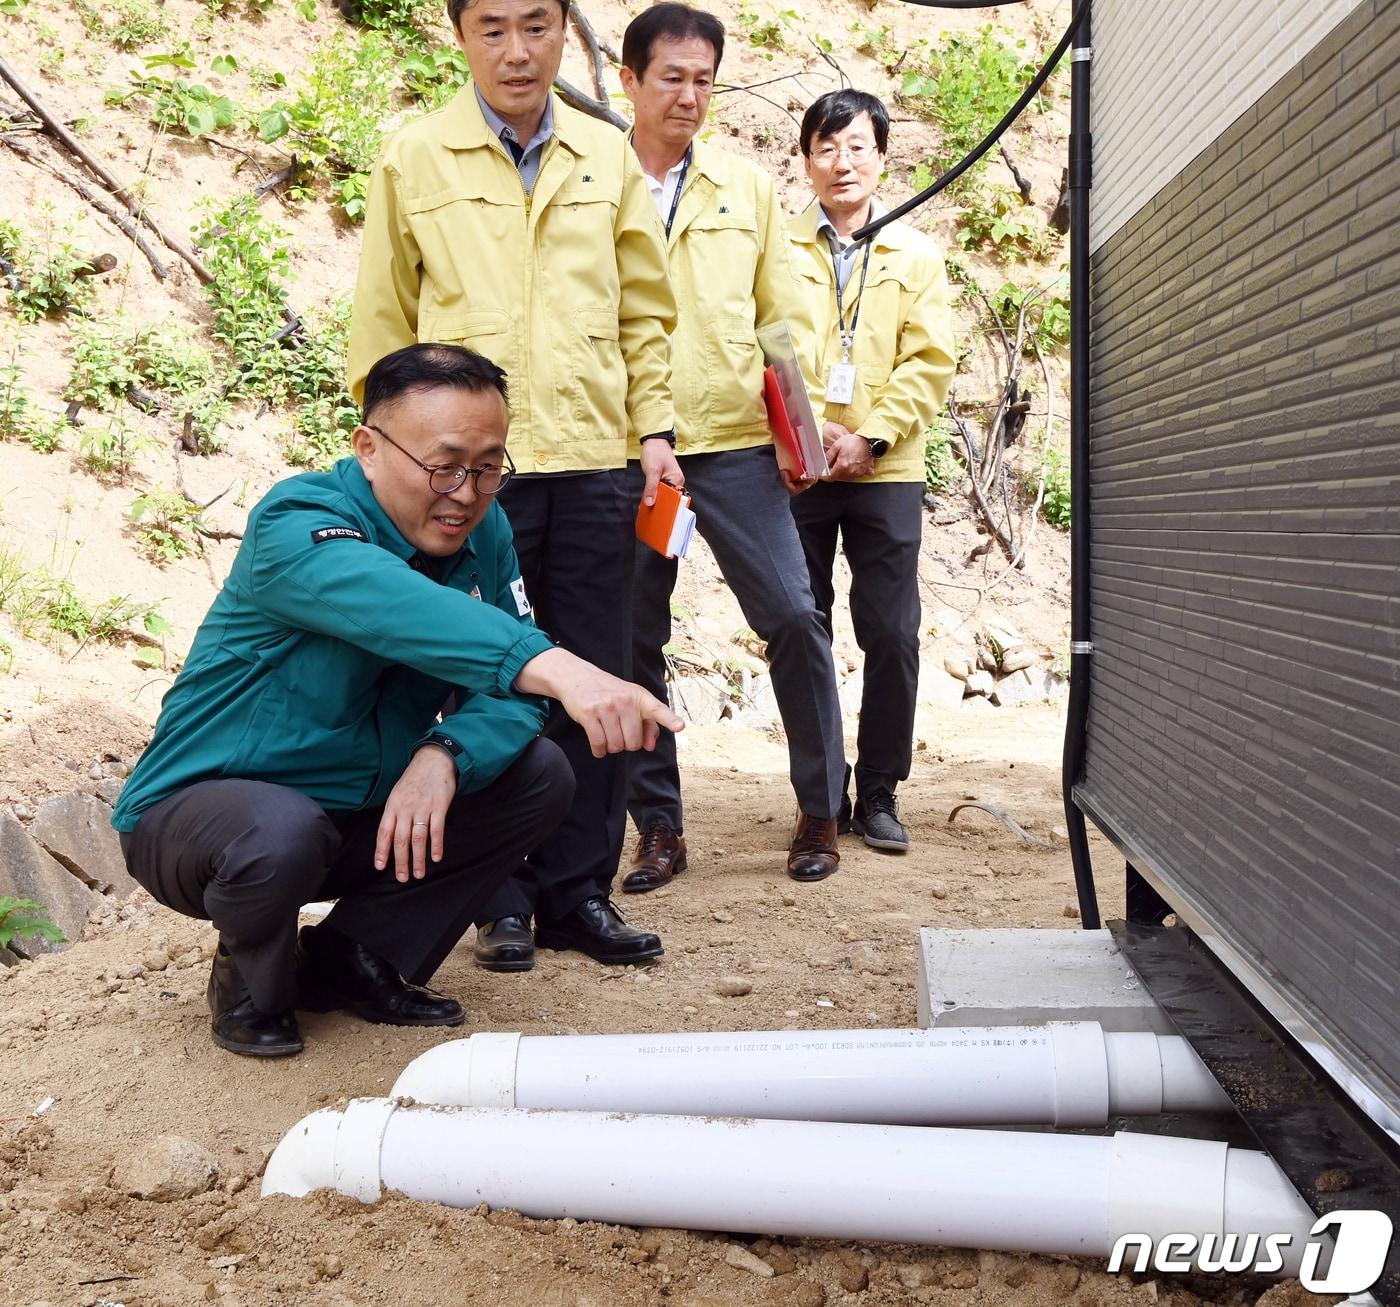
{"x": 668, "y": 524}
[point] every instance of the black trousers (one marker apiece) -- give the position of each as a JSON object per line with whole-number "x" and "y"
{"x": 741, "y": 509}
{"x": 880, "y": 526}
{"x": 247, "y": 854}
{"x": 574, "y": 536}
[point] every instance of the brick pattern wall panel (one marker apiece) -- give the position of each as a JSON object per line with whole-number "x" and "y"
{"x": 1244, "y": 724}
{"x": 1168, "y": 78}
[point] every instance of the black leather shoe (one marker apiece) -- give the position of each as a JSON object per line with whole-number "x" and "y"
{"x": 506, "y": 944}
{"x": 876, "y": 821}
{"x": 239, "y": 1026}
{"x": 335, "y": 972}
{"x": 596, "y": 928}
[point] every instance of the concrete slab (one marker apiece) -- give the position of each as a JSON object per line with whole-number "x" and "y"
{"x": 1029, "y": 977}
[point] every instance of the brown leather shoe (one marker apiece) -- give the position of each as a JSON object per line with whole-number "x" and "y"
{"x": 660, "y": 855}
{"x": 812, "y": 854}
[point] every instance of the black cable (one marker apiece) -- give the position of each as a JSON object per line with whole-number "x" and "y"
{"x": 994, "y": 135}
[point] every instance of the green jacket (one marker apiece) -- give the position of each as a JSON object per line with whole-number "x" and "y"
{"x": 328, "y": 654}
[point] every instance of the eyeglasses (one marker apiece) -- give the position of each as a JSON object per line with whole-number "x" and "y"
{"x": 856, "y": 151}
{"x": 447, "y": 477}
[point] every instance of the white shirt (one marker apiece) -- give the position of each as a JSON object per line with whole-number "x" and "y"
{"x": 663, "y": 191}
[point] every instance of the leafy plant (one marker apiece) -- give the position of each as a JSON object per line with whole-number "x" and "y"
{"x": 996, "y": 218}
{"x": 25, "y": 919}
{"x": 111, "y": 449}
{"x": 37, "y": 600}
{"x": 337, "y": 119}
{"x": 125, "y": 23}
{"x": 167, "y": 525}
{"x": 965, "y": 87}
{"x": 772, "y": 32}
{"x": 1047, "y": 315}
{"x": 45, "y": 267}
{"x": 942, "y": 471}
{"x": 1056, "y": 505}
{"x": 176, "y": 103}
{"x": 12, "y": 8}
{"x": 433, "y": 77}
{"x": 406, "y": 20}
{"x": 20, "y": 417}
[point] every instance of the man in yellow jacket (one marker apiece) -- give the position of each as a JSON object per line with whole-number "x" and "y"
{"x": 883, "y": 354}
{"x": 733, "y": 275}
{"x": 511, "y": 224}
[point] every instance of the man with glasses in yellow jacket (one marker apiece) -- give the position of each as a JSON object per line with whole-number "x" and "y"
{"x": 507, "y": 222}
{"x": 883, "y": 354}
{"x": 733, "y": 275}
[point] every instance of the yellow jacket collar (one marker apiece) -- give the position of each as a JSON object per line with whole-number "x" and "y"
{"x": 804, "y": 229}
{"x": 465, "y": 127}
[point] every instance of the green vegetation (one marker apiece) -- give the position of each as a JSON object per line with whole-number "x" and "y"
{"x": 168, "y": 525}
{"x": 12, "y": 8}
{"x": 434, "y": 76}
{"x": 1047, "y": 315}
{"x": 38, "y": 602}
{"x": 110, "y": 448}
{"x": 942, "y": 471}
{"x": 125, "y": 23}
{"x": 995, "y": 219}
{"x": 20, "y": 417}
{"x": 1055, "y": 507}
{"x": 44, "y": 277}
{"x": 769, "y": 33}
{"x": 337, "y": 118}
{"x": 25, "y": 919}
{"x": 178, "y": 104}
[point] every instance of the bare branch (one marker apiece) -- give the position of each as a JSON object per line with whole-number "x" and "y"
{"x": 576, "y": 99}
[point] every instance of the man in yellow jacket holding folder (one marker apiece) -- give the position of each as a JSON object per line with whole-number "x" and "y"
{"x": 732, "y": 275}
{"x": 511, "y": 224}
{"x": 883, "y": 355}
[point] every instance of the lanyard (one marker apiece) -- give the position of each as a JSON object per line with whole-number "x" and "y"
{"x": 676, "y": 198}
{"x": 847, "y": 336}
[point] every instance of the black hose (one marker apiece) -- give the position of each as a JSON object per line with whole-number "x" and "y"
{"x": 1081, "y": 166}
{"x": 994, "y": 135}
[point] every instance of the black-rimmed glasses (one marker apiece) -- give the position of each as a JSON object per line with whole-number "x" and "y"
{"x": 448, "y": 477}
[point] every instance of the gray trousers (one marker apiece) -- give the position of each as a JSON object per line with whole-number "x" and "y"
{"x": 247, "y": 854}
{"x": 742, "y": 510}
{"x": 880, "y": 525}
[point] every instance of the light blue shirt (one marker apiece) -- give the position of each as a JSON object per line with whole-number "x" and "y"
{"x": 845, "y": 252}
{"x": 529, "y": 161}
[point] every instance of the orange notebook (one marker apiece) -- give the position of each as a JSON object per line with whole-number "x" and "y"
{"x": 667, "y": 526}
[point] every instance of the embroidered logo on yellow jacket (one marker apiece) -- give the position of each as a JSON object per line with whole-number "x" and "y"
{"x": 903, "y": 350}
{"x": 566, "y": 289}
{"x": 732, "y": 272}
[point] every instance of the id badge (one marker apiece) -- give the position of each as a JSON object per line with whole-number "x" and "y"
{"x": 841, "y": 383}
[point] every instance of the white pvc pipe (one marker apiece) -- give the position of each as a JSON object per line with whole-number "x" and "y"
{"x": 1017, "y": 1192}
{"x": 1064, "y": 1074}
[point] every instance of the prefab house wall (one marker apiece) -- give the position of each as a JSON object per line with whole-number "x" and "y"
{"x": 1244, "y": 719}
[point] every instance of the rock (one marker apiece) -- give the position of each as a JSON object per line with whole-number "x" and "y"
{"x": 1072, "y": 911}
{"x": 789, "y": 900}
{"x": 938, "y": 889}
{"x": 853, "y": 1278}
{"x": 1004, "y": 633}
{"x": 805, "y": 1293}
{"x": 109, "y": 790}
{"x": 867, "y": 958}
{"x": 723, "y": 917}
{"x": 1016, "y": 688}
{"x": 77, "y": 830}
{"x": 986, "y": 660}
{"x": 166, "y": 1170}
{"x": 958, "y": 664}
{"x": 939, "y": 689}
{"x": 733, "y": 987}
{"x": 737, "y": 1255}
{"x": 1016, "y": 660}
{"x": 8, "y": 959}
{"x": 95, "y": 772}
{"x": 27, "y": 872}
{"x": 980, "y": 683}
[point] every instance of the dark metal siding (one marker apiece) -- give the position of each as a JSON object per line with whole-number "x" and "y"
{"x": 1244, "y": 726}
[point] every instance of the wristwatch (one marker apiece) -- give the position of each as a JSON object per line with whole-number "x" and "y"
{"x": 878, "y": 448}
{"x": 668, "y": 436}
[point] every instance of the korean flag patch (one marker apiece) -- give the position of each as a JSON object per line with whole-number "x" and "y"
{"x": 517, "y": 588}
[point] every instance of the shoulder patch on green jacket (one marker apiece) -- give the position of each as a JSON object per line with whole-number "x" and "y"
{"x": 322, "y": 534}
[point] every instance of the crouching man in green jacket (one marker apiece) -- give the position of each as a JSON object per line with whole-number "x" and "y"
{"x": 299, "y": 754}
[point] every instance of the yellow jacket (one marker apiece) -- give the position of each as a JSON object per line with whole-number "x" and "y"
{"x": 903, "y": 351}
{"x": 732, "y": 274}
{"x": 565, "y": 289}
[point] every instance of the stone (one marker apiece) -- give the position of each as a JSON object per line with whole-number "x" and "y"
{"x": 867, "y": 958}
{"x": 722, "y": 916}
{"x": 938, "y": 889}
{"x": 8, "y": 959}
{"x": 980, "y": 683}
{"x": 1004, "y": 633}
{"x": 939, "y": 689}
{"x": 109, "y": 790}
{"x": 77, "y": 830}
{"x": 1072, "y": 911}
{"x": 986, "y": 660}
{"x": 1016, "y": 660}
{"x": 167, "y": 1169}
{"x": 958, "y": 665}
{"x": 733, "y": 987}
{"x": 737, "y": 1255}
{"x": 27, "y": 872}
{"x": 1014, "y": 689}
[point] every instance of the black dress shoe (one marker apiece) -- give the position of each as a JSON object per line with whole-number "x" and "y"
{"x": 506, "y": 944}
{"x": 596, "y": 928}
{"x": 335, "y": 972}
{"x": 239, "y": 1026}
